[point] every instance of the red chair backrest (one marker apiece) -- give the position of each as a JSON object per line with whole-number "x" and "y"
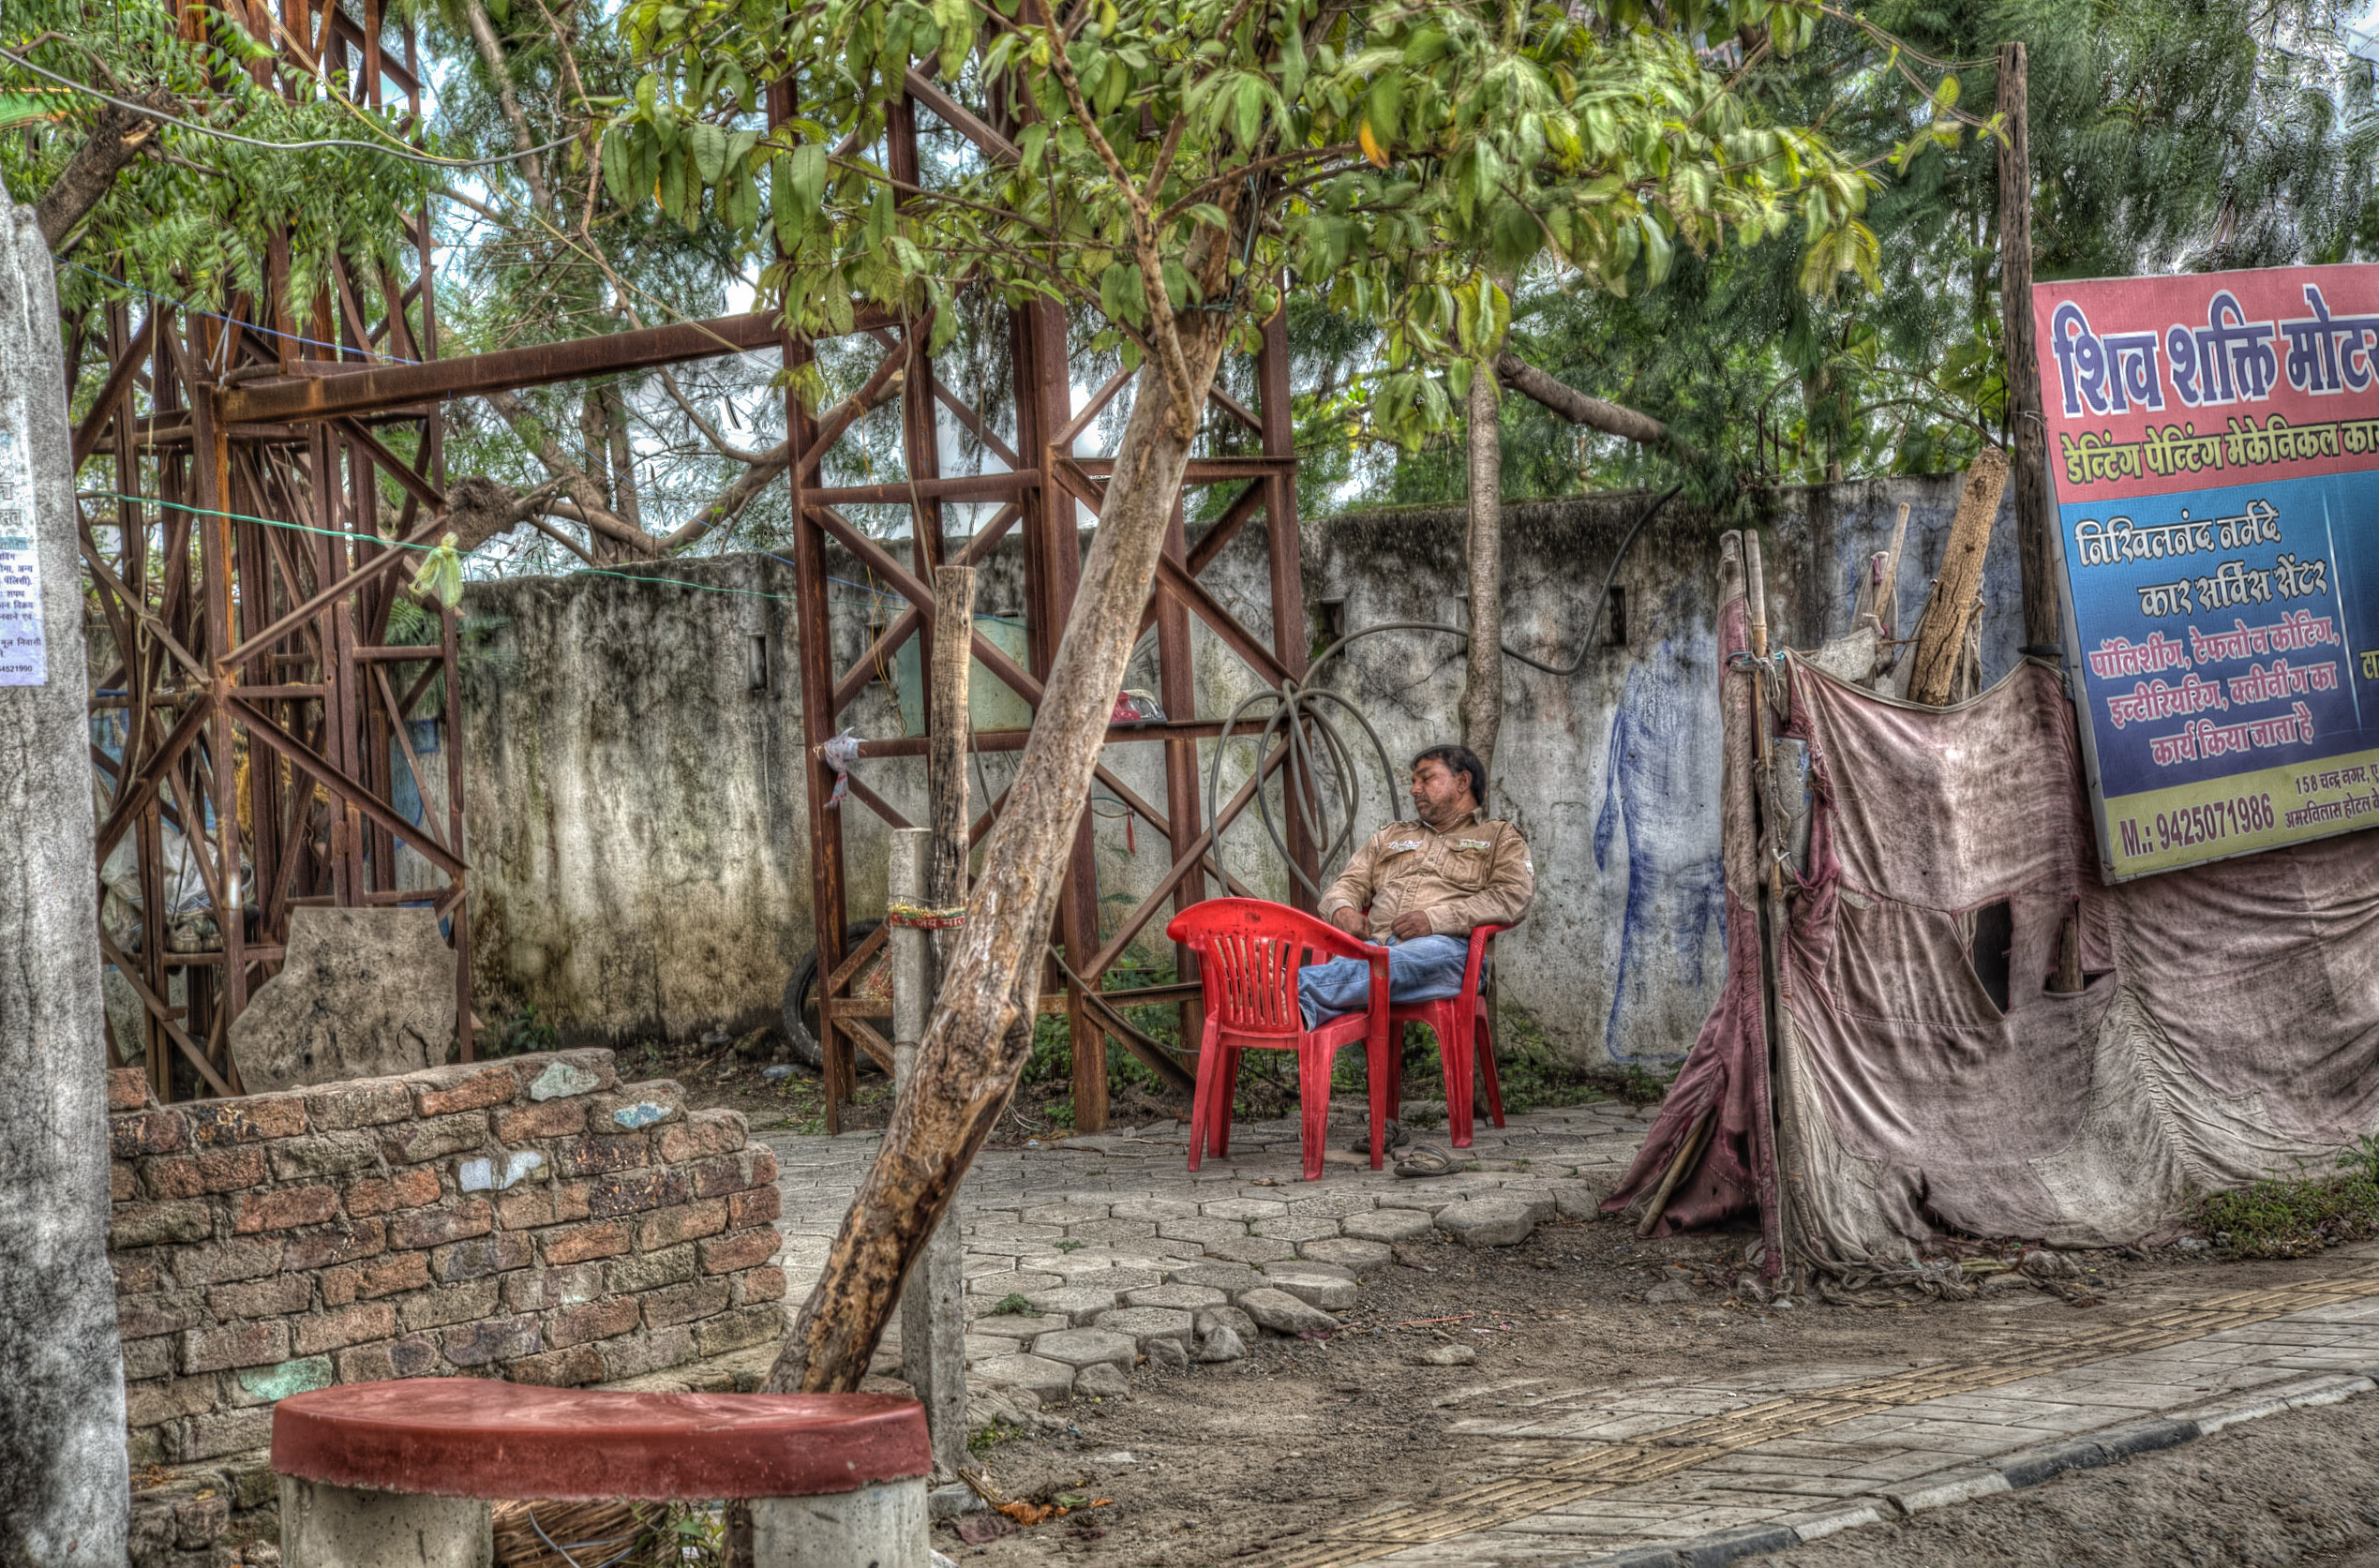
{"x": 1248, "y": 951}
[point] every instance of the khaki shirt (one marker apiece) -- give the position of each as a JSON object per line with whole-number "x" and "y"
{"x": 1477, "y": 874}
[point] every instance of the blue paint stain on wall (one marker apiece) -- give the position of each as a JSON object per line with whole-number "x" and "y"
{"x": 1660, "y": 787}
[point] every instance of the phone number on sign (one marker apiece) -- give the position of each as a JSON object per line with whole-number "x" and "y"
{"x": 2210, "y": 823}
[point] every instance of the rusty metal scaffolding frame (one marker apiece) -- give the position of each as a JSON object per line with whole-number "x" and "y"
{"x": 238, "y": 566}
{"x": 281, "y": 646}
{"x": 1044, "y": 485}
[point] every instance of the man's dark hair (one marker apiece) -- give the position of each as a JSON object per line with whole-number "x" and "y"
{"x": 1460, "y": 759}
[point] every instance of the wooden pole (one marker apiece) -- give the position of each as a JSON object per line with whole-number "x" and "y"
{"x": 2042, "y": 623}
{"x": 932, "y": 1320}
{"x": 933, "y": 1302}
{"x": 1940, "y": 635}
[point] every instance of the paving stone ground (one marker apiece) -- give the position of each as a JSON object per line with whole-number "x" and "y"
{"x": 1111, "y": 1243}
{"x": 1108, "y": 1226}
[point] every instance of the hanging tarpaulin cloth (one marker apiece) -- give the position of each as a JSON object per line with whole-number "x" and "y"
{"x": 2213, "y": 443}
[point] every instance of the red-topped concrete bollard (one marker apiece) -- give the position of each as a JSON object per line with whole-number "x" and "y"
{"x": 403, "y": 1474}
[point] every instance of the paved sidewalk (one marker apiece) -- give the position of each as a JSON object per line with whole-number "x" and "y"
{"x": 1113, "y": 1233}
{"x": 1119, "y": 1253}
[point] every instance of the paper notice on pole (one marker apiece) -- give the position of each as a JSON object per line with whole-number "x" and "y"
{"x": 23, "y": 656}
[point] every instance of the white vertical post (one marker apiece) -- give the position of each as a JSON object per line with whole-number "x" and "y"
{"x": 65, "y": 1482}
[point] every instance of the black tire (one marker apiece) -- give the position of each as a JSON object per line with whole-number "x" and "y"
{"x": 800, "y": 1004}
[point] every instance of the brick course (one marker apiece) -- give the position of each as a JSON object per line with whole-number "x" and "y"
{"x": 277, "y": 1242}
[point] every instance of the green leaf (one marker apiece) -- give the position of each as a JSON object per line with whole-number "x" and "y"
{"x": 619, "y": 168}
{"x": 806, "y": 167}
{"x": 1121, "y": 294}
{"x": 709, "y": 151}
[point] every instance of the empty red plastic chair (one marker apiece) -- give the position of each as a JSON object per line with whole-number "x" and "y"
{"x": 1464, "y": 1034}
{"x": 1249, "y": 953}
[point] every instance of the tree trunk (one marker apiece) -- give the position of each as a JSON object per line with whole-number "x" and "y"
{"x": 1482, "y": 708}
{"x": 117, "y": 136}
{"x": 1940, "y": 635}
{"x": 981, "y": 1031}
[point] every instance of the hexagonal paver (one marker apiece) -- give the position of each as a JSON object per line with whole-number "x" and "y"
{"x": 1186, "y": 1298}
{"x": 1087, "y": 1347}
{"x": 1296, "y": 1228}
{"x": 1068, "y": 1213}
{"x": 1490, "y": 1220}
{"x": 1076, "y": 1304}
{"x": 1229, "y": 1277}
{"x": 1251, "y": 1249}
{"x": 1244, "y": 1208}
{"x": 1348, "y": 1252}
{"x": 1386, "y": 1225}
{"x": 1145, "y": 1323}
{"x": 1283, "y": 1313}
{"x": 1044, "y": 1380}
{"x": 1322, "y": 1285}
{"x": 1013, "y": 1282}
{"x": 1337, "y": 1204}
{"x": 1155, "y": 1208}
{"x": 1114, "y": 1229}
{"x": 1202, "y": 1231}
{"x": 1015, "y": 1326}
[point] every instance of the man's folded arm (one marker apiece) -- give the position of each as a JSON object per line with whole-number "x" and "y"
{"x": 1511, "y": 883}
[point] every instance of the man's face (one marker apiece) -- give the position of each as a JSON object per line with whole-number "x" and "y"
{"x": 1440, "y": 793}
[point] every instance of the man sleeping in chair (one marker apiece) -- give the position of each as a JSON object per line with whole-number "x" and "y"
{"x": 1422, "y": 885}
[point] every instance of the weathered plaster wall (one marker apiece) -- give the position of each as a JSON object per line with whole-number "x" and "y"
{"x": 640, "y": 841}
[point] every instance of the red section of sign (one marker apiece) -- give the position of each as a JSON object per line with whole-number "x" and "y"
{"x": 2156, "y": 384}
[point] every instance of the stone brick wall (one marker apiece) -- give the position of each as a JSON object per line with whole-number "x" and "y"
{"x": 530, "y": 1219}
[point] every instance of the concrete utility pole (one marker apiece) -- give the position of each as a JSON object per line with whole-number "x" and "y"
{"x": 65, "y": 1484}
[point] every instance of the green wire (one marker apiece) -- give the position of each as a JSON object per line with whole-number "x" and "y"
{"x": 334, "y": 533}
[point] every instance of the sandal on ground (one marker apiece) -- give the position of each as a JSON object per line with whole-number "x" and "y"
{"x": 1423, "y": 1160}
{"x": 1398, "y": 1137}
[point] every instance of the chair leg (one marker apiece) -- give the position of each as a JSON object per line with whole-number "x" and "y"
{"x": 1313, "y": 1105}
{"x": 1485, "y": 1036}
{"x": 1227, "y": 1087}
{"x": 1454, "y": 1051}
{"x": 1380, "y": 1078}
{"x": 1201, "y": 1106}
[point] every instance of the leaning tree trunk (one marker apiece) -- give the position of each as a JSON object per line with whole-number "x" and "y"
{"x": 1482, "y": 706}
{"x": 981, "y": 1032}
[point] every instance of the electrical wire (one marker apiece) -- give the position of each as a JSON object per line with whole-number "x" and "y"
{"x": 1297, "y": 716}
{"x": 216, "y": 315}
{"x": 407, "y": 154}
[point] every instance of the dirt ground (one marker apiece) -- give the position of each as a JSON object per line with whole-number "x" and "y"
{"x": 1226, "y": 1460}
{"x": 2299, "y": 1488}
{"x": 1222, "y": 1461}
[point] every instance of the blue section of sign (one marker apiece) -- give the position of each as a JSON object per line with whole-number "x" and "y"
{"x": 2220, "y": 629}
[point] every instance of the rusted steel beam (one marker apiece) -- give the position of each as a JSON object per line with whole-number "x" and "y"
{"x": 368, "y": 389}
{"x": 1013, "y": 740}
{"x": 110, "y": 399}
{"x": 381, "y": 814}
{"x": 1202, "y": 470}
{"x": 972, "y": 487}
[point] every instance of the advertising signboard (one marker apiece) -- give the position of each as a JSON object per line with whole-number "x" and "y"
{"x": 2213, "y": 447}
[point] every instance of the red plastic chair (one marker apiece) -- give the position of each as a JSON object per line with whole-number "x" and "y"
{"x": 1249, "y": 953}
{"x": 1464, "y": 1033}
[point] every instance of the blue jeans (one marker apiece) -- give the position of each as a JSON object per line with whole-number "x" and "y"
{"x": 1422, "y": 969}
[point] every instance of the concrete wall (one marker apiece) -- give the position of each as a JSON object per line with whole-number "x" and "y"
{"x": 638, "y": 838}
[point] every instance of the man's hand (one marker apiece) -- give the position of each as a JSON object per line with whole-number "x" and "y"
{"x": 1348, "y": 918}
{"x": 1412, "y": 923}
